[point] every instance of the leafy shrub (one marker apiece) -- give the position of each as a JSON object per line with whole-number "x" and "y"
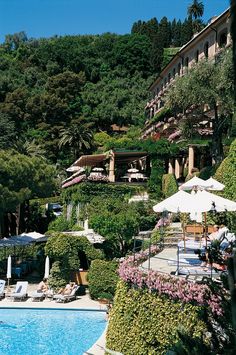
{"x": 169, "y": 185}
{"x": 60, "y": 224}
{"x": 141, "y": 322}
{"x": 70, "y": 252}
{"x": 102, "y": 279}
{"x": 155, "y": 179}
{"x": 59, "y": 275}
{"x": 226, "y": 173}
{"x": 147, "y": 222}
{"x": 207, "y": 172}
{"x": 76, "y": 227}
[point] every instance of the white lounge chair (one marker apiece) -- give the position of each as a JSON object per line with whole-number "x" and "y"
{"x": 66, "y": 298}
{"x": 20, "y": 292}
{"x": 37, "y": 296}
{"x": 2, "y": 286}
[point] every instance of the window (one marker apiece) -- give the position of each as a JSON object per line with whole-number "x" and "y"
{"x": 179, "y": 69}
{"x": 186, "y": 62}
{"x": 223, "y": 38}
{"x": 165, "y": 82}
{"x": 169, "y": 78}
{"x": 174, "y": 72}
{"x": 197, "y": 56}
{"x": 206, "y": 50}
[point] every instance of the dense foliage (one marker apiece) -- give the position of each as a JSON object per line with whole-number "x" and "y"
{"x": 207, "y": 83}
{"x": 49, "y": 85}
{"x": 102, "y": 279}
{"x": 23, "y": 177}
{"x": 226, "y": 173}
{"x": 169, "y": 185}
{"x": 68, "y": 253}
{"x": 146, "y": 323}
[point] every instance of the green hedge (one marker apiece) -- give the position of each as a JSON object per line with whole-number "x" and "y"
{"x": 102, "y": 279}
{"x": 145, "y": 323}
{"x": 169, "y": 185}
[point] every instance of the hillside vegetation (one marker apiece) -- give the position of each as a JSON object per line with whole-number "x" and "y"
{"x": 53, "y": 90}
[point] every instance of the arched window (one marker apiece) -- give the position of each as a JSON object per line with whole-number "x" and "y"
{"x": 168, "y": 78}
{"x": 197, "y": 56}
{"x": 223, "y": 38}
{"x": 179, "y": 69}
{"x": 157, "y": 92}
{"x": 186, "y": 62}
{"x": 174, "y": 72}
{"x": 165, "y": 81}
{"x": 206, "y": 50}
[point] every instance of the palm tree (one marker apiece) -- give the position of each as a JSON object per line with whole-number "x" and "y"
{"x": 78, "y": 136}
{"x": 196, "y": 9}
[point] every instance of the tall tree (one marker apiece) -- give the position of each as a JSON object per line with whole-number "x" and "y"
{"x": 78, "y": 136}
{"x": 195, "y": 12}
{"x": 196, "y": 9}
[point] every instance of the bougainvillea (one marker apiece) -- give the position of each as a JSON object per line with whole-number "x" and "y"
{"x": 172, "y": 286}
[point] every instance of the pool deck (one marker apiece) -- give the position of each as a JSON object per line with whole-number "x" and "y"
{"x": 81, "y": 303}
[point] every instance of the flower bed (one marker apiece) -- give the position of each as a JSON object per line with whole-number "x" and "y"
{"x": 168, "y": 285}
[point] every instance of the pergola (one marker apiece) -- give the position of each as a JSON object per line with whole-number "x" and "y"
{"x": 111, "y": 157}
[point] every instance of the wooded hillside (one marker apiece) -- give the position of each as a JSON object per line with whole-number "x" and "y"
{"x": 53, "y": 90}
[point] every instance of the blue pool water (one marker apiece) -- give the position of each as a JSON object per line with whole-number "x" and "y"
{"x": 49, "y": 332}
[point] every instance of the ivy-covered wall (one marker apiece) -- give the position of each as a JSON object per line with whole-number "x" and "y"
{"x": 84, "y": 192}
{"x": 142, "y": 322}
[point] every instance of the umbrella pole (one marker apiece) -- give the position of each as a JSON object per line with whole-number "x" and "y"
{"x": 183, "y": 227}
{"x": 8, "y": 285}
{"x": 205, "y": 223}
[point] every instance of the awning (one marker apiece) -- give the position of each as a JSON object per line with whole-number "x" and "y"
{"x": 21, "y": 240}
{"x": 90, "y": 160}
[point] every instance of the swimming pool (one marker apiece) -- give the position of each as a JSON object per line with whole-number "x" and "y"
{"x": 49, "y": 332}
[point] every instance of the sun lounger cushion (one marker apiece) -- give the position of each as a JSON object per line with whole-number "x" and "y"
{"x": 20, "y": 290}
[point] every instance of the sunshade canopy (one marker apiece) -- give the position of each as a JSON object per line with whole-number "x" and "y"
{"x": 193, "y": 183}
{"x": 180, "y": 202}
{"x": 201, "y": 201}
{"x": 214, "y": 185}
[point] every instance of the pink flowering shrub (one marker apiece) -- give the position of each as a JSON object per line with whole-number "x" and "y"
{"x": 168, "y": 285}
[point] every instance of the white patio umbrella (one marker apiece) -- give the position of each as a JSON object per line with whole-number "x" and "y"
{"x": 97, "y": 169}
{"x": 8, "y": 270}
{"x": 214, "y": 185}
{"x": 195, "y": 183}
{"x": 218, "y": 203}
{"x": 182, "y": 202}
{"x": 9, "y": 267}
{"x": 133, "y": 170}
{"x": 47, "y": 268}
{"x": 73, "y": 168}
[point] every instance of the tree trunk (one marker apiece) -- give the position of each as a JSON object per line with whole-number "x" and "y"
{"x": 217, "y": 146}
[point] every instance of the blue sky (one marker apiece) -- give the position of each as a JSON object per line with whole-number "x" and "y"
{"x": 45, "y": 18}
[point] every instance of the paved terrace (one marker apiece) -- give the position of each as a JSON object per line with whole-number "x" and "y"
{"x": 159, "y": 262}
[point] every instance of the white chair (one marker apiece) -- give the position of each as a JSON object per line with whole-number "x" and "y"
{"x": 2, "y": 286}
{"x": 37, "y": 296}
{"x": 20, "y": 292}
{"x": 66, "y": 298}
